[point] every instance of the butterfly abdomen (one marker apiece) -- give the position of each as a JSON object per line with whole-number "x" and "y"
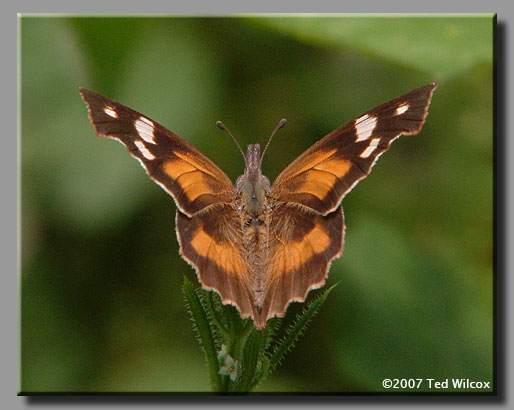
{"x": 256, "y": 244}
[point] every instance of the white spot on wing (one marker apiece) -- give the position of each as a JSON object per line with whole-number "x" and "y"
{"x": 145, "y": 129}
{"x": 363, "y": 175}
{"x": 360, "y": 119}
{"x": 401, "y": 109}
{"x": 364, "y": 127}
{"x": 370, "y": 148}
{"x": 110, "y": 112}
{"x": 141, "y": 147}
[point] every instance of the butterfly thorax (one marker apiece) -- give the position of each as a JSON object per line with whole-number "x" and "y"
{"x": 252, "y": 186}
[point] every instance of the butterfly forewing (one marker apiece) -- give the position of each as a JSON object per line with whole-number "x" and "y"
{"x": 193, "y": 180}
{"x": 322, "y": 175}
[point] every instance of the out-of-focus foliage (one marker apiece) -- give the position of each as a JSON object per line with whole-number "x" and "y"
{"x": 102, "y": 308}
{"x": 439, "y": 46}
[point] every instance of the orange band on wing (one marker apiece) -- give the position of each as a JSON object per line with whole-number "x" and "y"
{"x": 193, "y": 184}
{"x": 224, "y": 255}
{"x": 292, "y": 256}
{"x": 313, "y": 161}
{"x": 318, "y": 184}
{"x": 193, "y": 160}
{"x": 190, "y": 180}
{"x": 177, "y": 167}
{"x": 321, "y": 179}
{"x": 336, "y": 166}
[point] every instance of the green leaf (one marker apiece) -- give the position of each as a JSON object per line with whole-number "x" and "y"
{"x": 297, "y": 329}
{"x": 203, "y": 328}
{"x": 442, "y": 46}
{"x": 269, "y": 333}
{"x": 249, "y": 360}
{"x": 214, "y": 304}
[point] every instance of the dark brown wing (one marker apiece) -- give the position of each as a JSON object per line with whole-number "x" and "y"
{"x": 305, "y": 244}
{"x": 211, "y": 242}
{"x": 321, "y": 176}
{"x": 191, "y": 178}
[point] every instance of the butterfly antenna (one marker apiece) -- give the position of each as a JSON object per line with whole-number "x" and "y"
{"x": 280, "y": 124}
{"x": 224, "y": 128}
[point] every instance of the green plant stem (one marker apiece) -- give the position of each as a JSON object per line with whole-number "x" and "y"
{"x": 255, "y": 353}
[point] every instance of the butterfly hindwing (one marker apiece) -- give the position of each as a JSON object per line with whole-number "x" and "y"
{"x": 193, "y": 180}
{"x": 304, "y": 245}
{"x": 301, "y": 248}
{"x": 321, "y": 176}
{"x": 212, "y": 243}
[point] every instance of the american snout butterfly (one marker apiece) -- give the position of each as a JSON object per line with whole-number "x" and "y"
{"x": 261, "y": 246}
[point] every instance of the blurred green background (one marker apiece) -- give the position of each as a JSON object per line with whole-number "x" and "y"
{"x": 102, "y": 308}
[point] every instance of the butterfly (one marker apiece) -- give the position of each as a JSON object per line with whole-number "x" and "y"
{"x": 259, "y": 245}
